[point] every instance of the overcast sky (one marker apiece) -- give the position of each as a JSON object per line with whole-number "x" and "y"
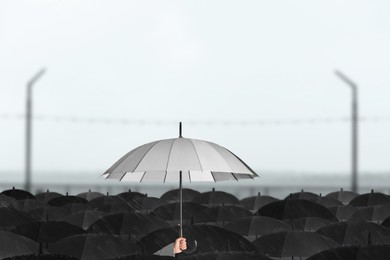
{"x": 196, "y": 62}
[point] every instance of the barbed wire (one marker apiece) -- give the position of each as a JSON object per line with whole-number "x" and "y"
{"x": 140, "y": 122}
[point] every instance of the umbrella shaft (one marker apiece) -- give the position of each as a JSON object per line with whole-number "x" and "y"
{"x": 181, "y": 203}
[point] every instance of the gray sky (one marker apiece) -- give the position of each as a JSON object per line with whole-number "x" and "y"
{"x": 196, "y": 62}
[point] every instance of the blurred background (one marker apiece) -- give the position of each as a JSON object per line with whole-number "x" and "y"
{"x": 257, "y": 77}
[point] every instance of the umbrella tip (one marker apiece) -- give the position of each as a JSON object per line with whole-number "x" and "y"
{"x": 180, "y": 136}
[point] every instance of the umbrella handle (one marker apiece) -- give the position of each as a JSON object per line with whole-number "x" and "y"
{"x": 192, "y": 249}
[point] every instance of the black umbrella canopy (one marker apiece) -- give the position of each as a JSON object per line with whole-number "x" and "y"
{"x": 256, "y": 226}
{"x": 221, "y": 214}
{"x": 171, "y": 212}
{"x": 93, "y": 246}
{"x": 84, "y": 219}
{"x": 61, "y": 201}
{"x": 18, "y": 194}
{"x": 47, "y": 231}
{"x": 6, "y": 201}
{"x": 293, "y": 244}
{"x": 143, "y": 257}
{"x": 343, "y": 196}
{"x": 47, "y": 196}
{"x": 147, "y": 204}
{"x": 48, "y": 213}
{"x": 41, "y": 257}
{"x": 309, "y": 224}
{"x": 386, "y": 222}
{"x": 343, "y": 212}
{"x": 371, "y": 252}
{"x": 254, "y": 203}
{"x": 227, "y": 255}
{"x": 209, "y": 239}
{"x": 370, "y": 199}
{"x": 375, "y": 214}
{"x": 355, "y": 233}
{"x": 174, "y": 195}
{"x": 29, "y": 204}
{"x": 130, "y": 195}
{"x": 89, "y": 195}
{"x": 215, "y": 198}
{"x": 302, "y": 195}
{"x": 326, "y": 201}
{"x": 14, "y": 245}
{"x": 106, "y": 201}
{"x": 293, "y": 209}
{"x": 10, "y": 218}
{"x": 131, "y": 224}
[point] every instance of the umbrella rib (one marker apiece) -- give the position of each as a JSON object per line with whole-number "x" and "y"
{"x": 169, "y": 154}
{"x": 142, "y": 177}
{"x": 212, "y": 175}
{"x": 197, "y": 156}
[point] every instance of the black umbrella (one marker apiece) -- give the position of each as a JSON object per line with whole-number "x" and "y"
{"x": 47, "y": 231}
{"x": 14, "y": 245}
{"x": 147, "y": 204}
{"x": 326, "y": 201}
{"x": 48, "y": 213}
{"x": 143, "y": 257}
{"x": 292, "y": 209}
{"x": 343, "y": 196}
{"x": 171, "y": 212}
{"x": 47, "y": 196}
{"x": 215, "y": 198}
{"x": 226, "y": 255}
{"x": 386, "y": 222}
{"x": 89, "y": 195}
{"x": 210, "y": 239}
{"x": 61, "y": 201}
{"x": 131, "y": 224}
{"x": 221, "y": 214}
{"x": 84, "y": 219}
{"x": 293, "y": 243}
{"x": 41, "y": 257}
{"x": 108, "y": 201}
{"x": 6, "y": 201}
{"x": 254, "y": 203}
{"x": 130, "y": 195}
{"x": 343, "y": 212}
{"x": 76, "y": 207}
{"x": 370, "y": 199}
{"x": 371, "y": 252}
{"x": 302, "y": 195}
{"x": 10, "y": 217}
{"x": 355, "y": 233}
{"x": 374, "y": 213}
{"x": 256, "y": 226}
{"x": 18, "y": 194}
{"x": 93, "y": 246}
{"x": 29, "y": 204}
{"x": 174, "y": 195}
{"x": 310, "y": 224}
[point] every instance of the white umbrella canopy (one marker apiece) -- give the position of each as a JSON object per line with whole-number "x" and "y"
{"x": 162, "y": 161}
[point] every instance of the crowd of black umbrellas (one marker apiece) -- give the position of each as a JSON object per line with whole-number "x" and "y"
{"x": 131, "y": 225}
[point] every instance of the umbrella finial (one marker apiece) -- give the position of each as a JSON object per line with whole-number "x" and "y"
{"x": 180, "y": 136}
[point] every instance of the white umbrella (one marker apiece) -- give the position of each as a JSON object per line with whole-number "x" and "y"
{"x": 179, "y": 159}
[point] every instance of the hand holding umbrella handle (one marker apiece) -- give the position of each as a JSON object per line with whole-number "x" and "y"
{"x": 192, "y": 249}
{"x": 180, "y": 246}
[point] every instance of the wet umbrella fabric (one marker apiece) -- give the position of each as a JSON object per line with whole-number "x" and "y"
{"x": 143, "y": 257}
{"x": 221, "y": 214}
{"x": 254, "y": 203}
{"x": 343, "y": 212}
{"x": 355, "y": 233}
{"x": 171, "y": 212}
{"x": 370, "y": 199}
{"x": 293, "y": 243}
{"x": 93, "y": 246}
{"x": 84, "y": 219}
{"x": 215, "y": 198}
{"x": 130, "y": 195}
{"x": 14, "y": 245}
{"x": 47, "y": 231}
{"x": 227, "y": 255}
{"x": 10, "y": 218}
{"x": 326, "y": 201}
{"x": 253, "y": 227}
{"x": 29, "y": 204}
{"x": 131, "y": 224}
{"x": 376, "y": 214}
{"x": 309, "y": 224}
{"x": 371, "y": 252}
{"x": 47, "y": 196}
{"x": 61, "y": 201}
{"x": 210, "y": 239}
{"x": 293, "y": 209}
{"x": 343, "y": 196}
{"x": 48, "y": 213}
{"x": 302, "y": 195}
{"x": 174, "y": 195}
{"x": 6, "y": 201}
{"x": 146, "y": 204}
{"x": 18, "y": 194}
{"x": 41, "y": 257}
{"x": 89, "y": 195}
